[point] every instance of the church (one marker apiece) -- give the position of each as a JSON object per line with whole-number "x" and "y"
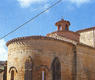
{"x": 60, "y": 55}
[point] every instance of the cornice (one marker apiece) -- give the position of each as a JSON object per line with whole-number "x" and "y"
{"x": 21, "y": 40}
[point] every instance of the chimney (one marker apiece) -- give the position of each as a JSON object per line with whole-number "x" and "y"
{"x": 63, "y": 25}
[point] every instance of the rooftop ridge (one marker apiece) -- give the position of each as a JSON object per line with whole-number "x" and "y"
{"x": 86, "y": 29}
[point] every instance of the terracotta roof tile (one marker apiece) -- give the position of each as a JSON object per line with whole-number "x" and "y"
{"x": 67, "y": 34}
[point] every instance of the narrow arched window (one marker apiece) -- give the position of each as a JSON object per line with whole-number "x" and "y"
{"x": 56, "y": 69}
{"x": 28, "y": 69}
{"x": 12, "y": 72}
{"x": 12, "y": 75}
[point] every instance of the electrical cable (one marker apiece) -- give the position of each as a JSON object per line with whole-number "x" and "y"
{"x": 31, "y": 19}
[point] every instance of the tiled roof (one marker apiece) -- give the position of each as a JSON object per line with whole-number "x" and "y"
{"x": 67, "y": 34}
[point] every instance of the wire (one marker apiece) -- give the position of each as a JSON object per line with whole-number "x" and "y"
{"x": 41, "y": 7}
{"x": 31, "y": 19}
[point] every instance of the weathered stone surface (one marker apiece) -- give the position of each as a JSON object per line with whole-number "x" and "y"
{"x": 76, "y": 59}
{"x": 42, "y": 52}
{"x": 85, "y": 63}
{"x": 87, "y": 36}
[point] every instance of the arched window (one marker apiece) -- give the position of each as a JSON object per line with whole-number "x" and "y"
{"x": 12, "y": 72}
{"x": 56, "y": 69}
{"x": 12, "y": 75}
{"x": 28, "y": 69}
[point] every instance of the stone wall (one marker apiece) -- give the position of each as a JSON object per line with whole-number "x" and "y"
{"x": 87, "y": 37}
{"x": 85, "y": 62}
{"x": 42, "y": 52}
{"x": 77, "y": 60}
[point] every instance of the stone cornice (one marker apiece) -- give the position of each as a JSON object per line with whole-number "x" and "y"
{"x": 20, "y": 40}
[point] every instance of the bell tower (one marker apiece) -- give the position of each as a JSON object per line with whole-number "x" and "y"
{"x": 62, "y": 25}
{"x": 63, "y": 32}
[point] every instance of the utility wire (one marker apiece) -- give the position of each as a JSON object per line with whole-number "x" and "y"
{"x": 31, "y": 19}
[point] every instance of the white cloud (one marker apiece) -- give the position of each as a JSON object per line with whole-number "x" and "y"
{"x": 45, "y": 7}
{"x": 40, "y": 8}
{"x": 27, "y": 3}
{"x": 3, "y": 50}
{"x": 79, "y": 2}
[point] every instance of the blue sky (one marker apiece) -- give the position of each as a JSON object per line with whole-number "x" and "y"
{"x": 81, "y": 14}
